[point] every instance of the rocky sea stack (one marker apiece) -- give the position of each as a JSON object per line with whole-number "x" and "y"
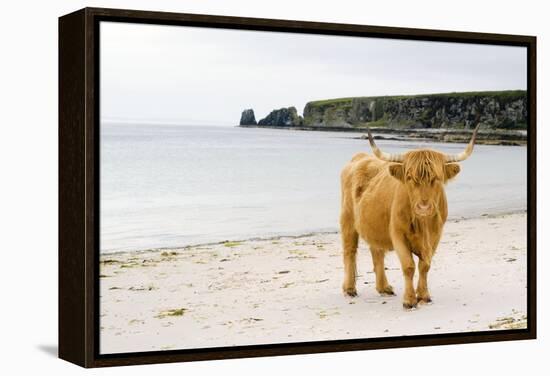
{"x": 248, "y": 118}
{"x": 283, "y": 117}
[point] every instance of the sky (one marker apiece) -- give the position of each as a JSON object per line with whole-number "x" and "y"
{"x": 194, "y": 76}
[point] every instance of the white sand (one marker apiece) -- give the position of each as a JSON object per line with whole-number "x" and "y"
{"x": 289, "y": 290}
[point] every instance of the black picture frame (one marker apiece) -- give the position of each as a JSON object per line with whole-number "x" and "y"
{"x": 79, "y": 187}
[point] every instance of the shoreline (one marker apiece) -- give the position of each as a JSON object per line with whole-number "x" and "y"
{"x": 289, "y": 290}
{"x": 285, "y": 236}
{"x": 448, "y": 135}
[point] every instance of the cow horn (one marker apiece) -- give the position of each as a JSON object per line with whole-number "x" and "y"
{"x": 449, "y": 158}
{"x": 382, "y": 155}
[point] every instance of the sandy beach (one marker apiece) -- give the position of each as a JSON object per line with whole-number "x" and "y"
{"x": 289, "y": 290}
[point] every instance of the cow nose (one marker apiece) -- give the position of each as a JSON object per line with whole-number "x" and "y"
{"x": 424, "y": 205}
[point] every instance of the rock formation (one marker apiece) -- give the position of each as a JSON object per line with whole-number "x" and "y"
{"x": 498, "y": 110}
{"x": 283, "y": 117}
{"x": 503, "y": 110}
{"x": 248, "y": 118}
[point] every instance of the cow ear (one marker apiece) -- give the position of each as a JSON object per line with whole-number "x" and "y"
{"x": 451, "y": 170}
{"x": 396, "y": 170}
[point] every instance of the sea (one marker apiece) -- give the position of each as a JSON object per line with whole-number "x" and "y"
{"x": 169, "y": 186}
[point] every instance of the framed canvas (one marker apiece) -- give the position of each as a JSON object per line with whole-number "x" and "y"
{"x": 240, "y": 187}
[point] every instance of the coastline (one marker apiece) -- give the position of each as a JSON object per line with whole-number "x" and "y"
{"x": 448, "y": 135}
{"x": 283, "y": 236}
{"x": 287, "y": 289}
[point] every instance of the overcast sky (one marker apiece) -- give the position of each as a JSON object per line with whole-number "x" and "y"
{"x": 191, "y": 75}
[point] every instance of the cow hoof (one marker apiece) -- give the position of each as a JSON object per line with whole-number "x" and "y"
{"x": 409, "y": 307}
{"x": 350, "y": 292}
{"x": 427, "y": 300}
{"x": 387, "y": 291}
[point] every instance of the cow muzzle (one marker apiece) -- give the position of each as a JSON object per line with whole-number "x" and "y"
{"x": 423, "y": 209}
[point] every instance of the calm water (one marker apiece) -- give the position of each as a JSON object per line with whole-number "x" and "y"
{"x": 170, "y": 186}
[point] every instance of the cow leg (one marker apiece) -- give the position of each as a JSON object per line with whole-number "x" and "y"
{"x": 350, "y": 238}
{"x": 382, "y": 285}
{"x": 422, "y": 292}
{"x": 408, "y": 268}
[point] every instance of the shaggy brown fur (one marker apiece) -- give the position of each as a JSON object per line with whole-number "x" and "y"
{"x": 395, "y": 206}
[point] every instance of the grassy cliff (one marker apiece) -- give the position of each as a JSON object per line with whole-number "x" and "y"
{"x": 498, "y": 110}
